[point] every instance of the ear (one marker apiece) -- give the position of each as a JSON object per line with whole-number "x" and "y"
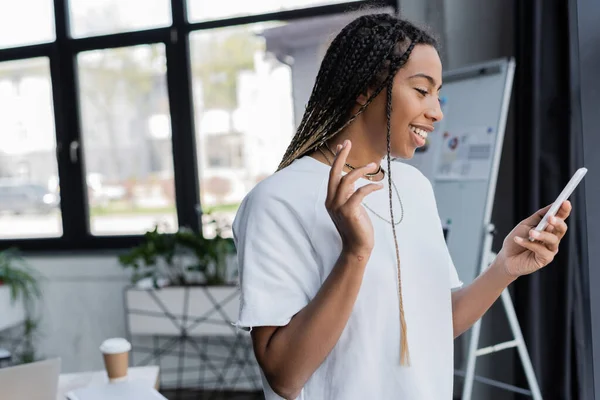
{"x": 362, "y": 99}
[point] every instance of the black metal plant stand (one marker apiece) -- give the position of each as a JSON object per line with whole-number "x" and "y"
{"x": 191, "y": 362}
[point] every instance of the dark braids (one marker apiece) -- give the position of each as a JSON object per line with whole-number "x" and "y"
{"x": 365, "y": 55}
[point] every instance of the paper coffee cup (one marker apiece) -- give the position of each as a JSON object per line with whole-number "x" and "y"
{"x": 116, "y": 358}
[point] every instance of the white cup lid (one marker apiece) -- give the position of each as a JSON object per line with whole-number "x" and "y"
{"x": 115, "y": 346}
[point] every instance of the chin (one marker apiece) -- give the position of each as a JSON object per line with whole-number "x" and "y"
{"x": 405, "y": 154}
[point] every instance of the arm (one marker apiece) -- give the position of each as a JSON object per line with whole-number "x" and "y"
{"x": 289, "y": 355}
{"x": 471, "y": 302}
{"x": 518, "y": 257}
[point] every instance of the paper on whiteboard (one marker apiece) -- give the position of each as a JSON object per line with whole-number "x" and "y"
{"x": 466, "y": 154}
{"x": 425, "y": 158}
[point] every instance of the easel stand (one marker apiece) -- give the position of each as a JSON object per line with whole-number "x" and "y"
{"x": 487, "y": 257}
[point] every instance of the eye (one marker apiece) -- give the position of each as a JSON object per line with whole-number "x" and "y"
{"x": 422, "y": 91}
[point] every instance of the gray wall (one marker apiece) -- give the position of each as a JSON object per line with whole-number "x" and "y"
{"x": 82, "y": 306}
{"x": 585, "y": 34}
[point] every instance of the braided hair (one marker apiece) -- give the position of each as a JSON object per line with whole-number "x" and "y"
{"x": 365, "y": 55}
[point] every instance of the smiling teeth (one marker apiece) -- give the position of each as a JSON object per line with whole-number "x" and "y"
{"x": 419, "y": 131}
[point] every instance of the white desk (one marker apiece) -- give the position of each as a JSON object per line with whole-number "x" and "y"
{"x": 68, "y": 382}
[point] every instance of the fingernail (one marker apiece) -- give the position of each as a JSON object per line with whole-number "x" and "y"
{"x": 371, "y": 165}
{"x": 552, "y": 220}
{"x": 534, "y": 234}
{"x": 338, "y": 148}
{"x": 518, "y": 239}
{"x": 345, "y": 143}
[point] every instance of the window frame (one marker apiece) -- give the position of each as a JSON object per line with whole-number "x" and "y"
{"x": 62, "y": 55}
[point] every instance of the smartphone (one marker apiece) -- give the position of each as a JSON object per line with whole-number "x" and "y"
{"x": 564, "y": 195}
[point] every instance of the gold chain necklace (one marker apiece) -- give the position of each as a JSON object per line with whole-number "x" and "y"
{"x": 363, "y": 203}
{"x": 369, "y": 176}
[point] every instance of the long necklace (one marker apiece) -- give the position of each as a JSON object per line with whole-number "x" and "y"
{"x": 363, "y": 203}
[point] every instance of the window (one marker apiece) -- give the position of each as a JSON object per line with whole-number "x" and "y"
{"x": 95, "y": 17}
{"x": 243, "y": 105}
{"x": 204, "y": 10}
{"x": 29, "y": 190}
{"x": 126, "y": 133}
{"x": 26, "y": 22}
{"x": 119, "y": 116}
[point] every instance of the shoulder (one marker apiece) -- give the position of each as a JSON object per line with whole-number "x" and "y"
{"x": 411, "y": 175}
{"x": 290, "y": 192}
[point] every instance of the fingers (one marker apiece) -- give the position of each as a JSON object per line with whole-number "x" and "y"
{"x": 335, "y": 174}
{"x": 565, "y": 210}
{"x": 563, "y": 213}
{"x": 359, "y": 195}
{"x": 341, "y": 187}
{"x": 557, "y": 226}
{"x": 536, "y": 217}
{"x": 346, "y": 187}
{"x": 353, "y": 175}
{"x": 543, "y": 255}
{"x": 550, "y": 240}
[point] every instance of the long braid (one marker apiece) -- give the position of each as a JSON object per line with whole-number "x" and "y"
{"x": 404, "y": 353}
{"x": 366, "y": 54}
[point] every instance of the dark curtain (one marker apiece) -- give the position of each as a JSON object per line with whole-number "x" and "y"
{"x": 548, "y": 303}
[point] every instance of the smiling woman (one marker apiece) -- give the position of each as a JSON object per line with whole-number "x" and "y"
{"x": 320, "y": 271}
{"x": 327, "y": 259}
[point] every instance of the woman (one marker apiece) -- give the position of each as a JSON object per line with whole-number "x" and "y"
{"x": 347, "y": 288}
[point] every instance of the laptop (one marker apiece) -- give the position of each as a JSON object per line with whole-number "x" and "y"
{"x": 34, "y": 381}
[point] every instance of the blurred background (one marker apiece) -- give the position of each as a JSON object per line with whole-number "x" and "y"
{"x": 132, "y": 129}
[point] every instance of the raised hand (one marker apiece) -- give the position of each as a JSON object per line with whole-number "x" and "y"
{"x": 343, "y": 203}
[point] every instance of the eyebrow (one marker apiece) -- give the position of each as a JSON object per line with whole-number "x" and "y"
{"x": 429, "y": 78}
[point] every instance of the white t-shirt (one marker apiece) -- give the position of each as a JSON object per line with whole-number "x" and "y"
{"x": 287, "y": 245}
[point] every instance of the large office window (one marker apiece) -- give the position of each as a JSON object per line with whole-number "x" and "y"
{"x": 120, "y": 116}
{"x": 115, "y": 16}
{"x": 203, "y": 10}
{"x": 26, "y": 22}
{"x": 126, "y": 131}
{"x": 29, "y": 191}
{"x": 243, "y": 114}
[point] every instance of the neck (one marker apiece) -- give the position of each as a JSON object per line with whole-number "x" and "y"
{"x": 363, "y": 151}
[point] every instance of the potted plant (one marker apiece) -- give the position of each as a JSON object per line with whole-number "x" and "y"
{"x": 182, "y": 283}
{"x": 19, "y": 287}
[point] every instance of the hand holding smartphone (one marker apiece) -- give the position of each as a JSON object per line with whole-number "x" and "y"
{"x": 564, "y": 195}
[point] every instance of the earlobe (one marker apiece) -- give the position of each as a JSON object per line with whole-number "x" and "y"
{"x": 361, "y": 100}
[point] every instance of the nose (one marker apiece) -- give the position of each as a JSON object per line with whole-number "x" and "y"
{"x": 434, "y": 113}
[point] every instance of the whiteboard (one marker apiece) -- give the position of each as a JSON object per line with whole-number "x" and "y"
{"x": 462, "y": 156}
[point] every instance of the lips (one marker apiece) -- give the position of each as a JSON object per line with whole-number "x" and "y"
{"x": 418, "y": 131}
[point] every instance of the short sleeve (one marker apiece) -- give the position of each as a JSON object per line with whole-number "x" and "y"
{"x": 278, "y": 273}
{"x": 455, "y": 281}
